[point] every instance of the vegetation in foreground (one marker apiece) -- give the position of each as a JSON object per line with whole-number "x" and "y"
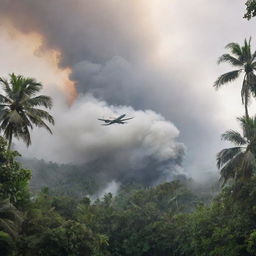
{"x": 165, "y": 220}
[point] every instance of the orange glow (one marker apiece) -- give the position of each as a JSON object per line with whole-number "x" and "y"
{"x": 25, "y": 54}
{"x": 62, "y": 75}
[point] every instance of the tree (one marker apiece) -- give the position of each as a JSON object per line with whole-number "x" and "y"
{"x": 239, "y": 162}
{"x": 10, "y": 225}
{"x": 243, "y": 59}
{"x": 19, "y": 108}
{"x": 46, "y": 232}
{"x": 250, "y": 9}
{"x": 14, "y": 179}
{"x": 140, "y": 221}
{"x": 220, "y": 229}
{"x": 10, "y": 218}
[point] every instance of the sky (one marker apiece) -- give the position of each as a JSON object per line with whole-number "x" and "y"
{"x": 155, "y": 60}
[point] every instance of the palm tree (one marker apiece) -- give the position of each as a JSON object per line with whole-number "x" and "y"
{"x": 10, "y": 218}
{"x": 19, "y": 108}
{"x": 239, "y": 162}
{"x": 10, "y": 226}
{"x": 242, "y": 58}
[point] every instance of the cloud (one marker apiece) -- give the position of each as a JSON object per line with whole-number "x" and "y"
{"x": 145, "y": 149}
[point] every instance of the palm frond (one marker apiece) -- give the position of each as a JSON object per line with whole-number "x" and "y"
{"x": 36, "y": 116}
{"x": 41, "y": 100}
{"x": 251, "y": 77}
{"x": 248, "y": 126}
{"x": 230, "y": 59}
{"x": 8, "y": 210}
{"x": 4, "y": 112}
{"x": 4, "y": 99}
{"x": 226, "y": 155}
{"x": 24, "y": 134}
{"x": 234, "y": 137}
{"x": 246, "y": 50}
{"x": 15, "y": 118}
{"x": 9, "y": 227}
{"x": 234, "y": 48}
{"x": 38, "y": 122}
{"x": 10, "y": 218}
{"x": 16, "y": 83}
{"x": 248, "y": 166}
{"x": 40, "y": 114}
{"x": 31, "y": 87}
{"x": 229, "y": 170}
{"x": 226, "y": 78}
{"x": 8, "y": 131}
{"x": 6, "y": 87}
{"x": 253, "y": 56}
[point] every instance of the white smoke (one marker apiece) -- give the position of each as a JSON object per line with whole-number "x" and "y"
{"x": 111, "y": 187}
{"x": 148, "y": 141}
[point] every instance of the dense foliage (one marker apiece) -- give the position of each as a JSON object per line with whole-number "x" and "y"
{"x": 13, "y": 178}
{"x": 250, "y": 9}
{"x": 164, "y": 220}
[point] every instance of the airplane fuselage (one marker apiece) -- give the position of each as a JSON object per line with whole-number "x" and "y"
{"x": 118, "y": 120}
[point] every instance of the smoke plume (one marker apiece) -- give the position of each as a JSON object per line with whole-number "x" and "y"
{"x": 127, "y": 57}
{"x": 144, "y": 150}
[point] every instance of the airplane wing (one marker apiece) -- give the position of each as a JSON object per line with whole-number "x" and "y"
{"x": 127, "y": 119}
{"x": 105, "y": 120}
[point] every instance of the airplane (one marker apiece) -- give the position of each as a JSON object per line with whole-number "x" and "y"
{"x": 118, "y": 120}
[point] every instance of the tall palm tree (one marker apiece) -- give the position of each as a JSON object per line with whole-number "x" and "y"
{"x": 243, "y": 59}
{"x": 20, "y": 108}
{"x": 239, "y": 162}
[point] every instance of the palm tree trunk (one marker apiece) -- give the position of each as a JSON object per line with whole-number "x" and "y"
{"x": 246, "y": 96}
{"x": 246, "y": 108}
